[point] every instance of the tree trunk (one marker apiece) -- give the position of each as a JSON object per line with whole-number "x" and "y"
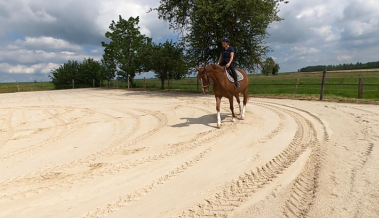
{"x": 162, "y": 83}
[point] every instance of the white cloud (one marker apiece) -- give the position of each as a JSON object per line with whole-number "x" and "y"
{"x": 327, "y": 33}
{"x": 304, "y": 50}
{"x": 44, "y": 68}
{"x": 45, "y": 42}
{"x": 315, "y": 12}
{"x": 345, "y": 58}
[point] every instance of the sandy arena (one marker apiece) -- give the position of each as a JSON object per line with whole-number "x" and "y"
{"x": 126, "y": 154}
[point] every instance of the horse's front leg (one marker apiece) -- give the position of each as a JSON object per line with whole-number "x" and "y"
{"x": 218, "y": 102}
{"x": 232, "y": 108}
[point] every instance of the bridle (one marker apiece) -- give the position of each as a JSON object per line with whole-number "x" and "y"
{"x": 206, "y": 75}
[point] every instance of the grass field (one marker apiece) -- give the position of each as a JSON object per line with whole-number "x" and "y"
{"x": 340, "y": 85}
{"x": 25, "y": 87}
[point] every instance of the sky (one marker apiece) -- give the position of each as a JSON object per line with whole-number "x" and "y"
{"x": 37, "y": 36}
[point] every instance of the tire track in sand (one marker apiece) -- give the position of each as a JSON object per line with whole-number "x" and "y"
{"x": 57, "y": 179}
{"x": 6, "y": 130}
{"x": 233, "y": 194}
{"x": 61, "y": 131}
{"x": 62, "y": 179}
{"x": 133, "y": 196}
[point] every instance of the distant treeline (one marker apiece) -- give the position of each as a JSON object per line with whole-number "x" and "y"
{"x": 358, "y": 65}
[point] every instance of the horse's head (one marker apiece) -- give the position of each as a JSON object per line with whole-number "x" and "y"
{"x": 205, "y": 79}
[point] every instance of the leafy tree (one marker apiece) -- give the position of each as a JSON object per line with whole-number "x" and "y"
{"x": 168, "y": 61}
{"x": 270, "y": 67}
{"x": 89, "y": 70}
{"x": 275, "y": 69}
{"x": 82, "y": 73}
{"x": 203, "y": 23}
{"x": 109, "y": 67}
{"x": 345, "y": 66}
{"x": 127, "y": 47}
{"x": 63, "y": 75}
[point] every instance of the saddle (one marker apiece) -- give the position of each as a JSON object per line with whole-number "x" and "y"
{"x": 229, "y": 75}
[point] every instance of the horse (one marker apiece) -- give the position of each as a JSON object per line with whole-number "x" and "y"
{"x": 222, "y": 87}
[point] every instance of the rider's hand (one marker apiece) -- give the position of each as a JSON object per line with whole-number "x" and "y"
{"x": 227, "y": 65}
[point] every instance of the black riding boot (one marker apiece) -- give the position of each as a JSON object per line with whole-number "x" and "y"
{"x": 236, "y": 83}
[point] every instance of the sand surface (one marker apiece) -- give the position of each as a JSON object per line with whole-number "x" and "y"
{"x": 118, "y": 153}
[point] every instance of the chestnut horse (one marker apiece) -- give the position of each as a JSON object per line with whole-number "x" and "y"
{"x": 222, "y": 87}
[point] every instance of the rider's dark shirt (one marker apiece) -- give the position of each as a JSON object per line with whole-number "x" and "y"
{"x": 226, "y": 54}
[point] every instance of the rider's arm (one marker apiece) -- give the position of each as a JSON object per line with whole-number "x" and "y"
{"x": 231, "y": 57}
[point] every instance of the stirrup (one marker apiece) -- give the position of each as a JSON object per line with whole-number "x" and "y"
{"x": 237, "y": 84}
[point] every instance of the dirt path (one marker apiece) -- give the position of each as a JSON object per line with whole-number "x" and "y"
{"x": 114, "y": 153}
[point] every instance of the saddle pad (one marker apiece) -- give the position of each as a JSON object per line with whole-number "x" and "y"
{"x": 230, "y": 78}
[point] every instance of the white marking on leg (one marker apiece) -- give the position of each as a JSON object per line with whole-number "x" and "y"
{"x": 243, "y": 112}
{"x": 239, "y": 105}
{"x": 218, "y": 119}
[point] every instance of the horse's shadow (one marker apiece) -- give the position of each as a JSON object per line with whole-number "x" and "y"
{"x": 206, "y": 120}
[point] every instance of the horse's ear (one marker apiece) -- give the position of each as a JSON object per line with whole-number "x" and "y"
{"x": 197, "y": 69}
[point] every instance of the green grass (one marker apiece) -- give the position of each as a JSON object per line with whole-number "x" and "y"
{"x": 25, "y": 87}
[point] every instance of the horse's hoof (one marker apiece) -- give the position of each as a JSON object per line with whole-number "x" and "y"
{"x": 219, "y": 125}
{"x": 234, "y": 120}
{"x": 242, "y": 117}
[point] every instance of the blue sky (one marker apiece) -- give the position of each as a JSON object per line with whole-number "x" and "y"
{"x": 37, "y": 36}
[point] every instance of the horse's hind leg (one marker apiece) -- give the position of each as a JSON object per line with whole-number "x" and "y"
{"x": 239, "y": 102}
{"x": 245, "y": 97}
{"x": 231, "y": 108}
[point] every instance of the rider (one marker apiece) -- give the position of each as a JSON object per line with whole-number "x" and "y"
{"x": 227, "y": 59}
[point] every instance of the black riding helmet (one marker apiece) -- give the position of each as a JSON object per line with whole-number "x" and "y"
{"x": 225, "y": 40}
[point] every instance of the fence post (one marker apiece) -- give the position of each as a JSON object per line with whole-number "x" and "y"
{"x": 322, "y": 85}
{"x": 117, "y": 84}
{"x": 144, "y": 83}
{"x": 297, "y": 83}
{"x": 18, "y": 87}
{"x": 360, "y": 88}
{"x": 128, "y": 82}
{"x": 73, "y": 84}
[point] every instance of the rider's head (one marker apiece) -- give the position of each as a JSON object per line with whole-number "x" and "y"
{"x": 226, "y": 40}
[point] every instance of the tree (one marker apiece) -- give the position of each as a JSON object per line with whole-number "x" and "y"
{"x": 167, "y": 60}
{"x": 89, "y": 70}
{"x": 109, "y": 67}
{"x": 275, "y": 69}
{"x": 203, "y": 23}
{"x": 127, "y": 47}
{"x": 82, "y": 73}
{"x": 270, "y": 67}
{"x": 63, "y": 75}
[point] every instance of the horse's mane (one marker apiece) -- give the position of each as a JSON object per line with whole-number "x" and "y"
{"x": 213, "y": 67}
